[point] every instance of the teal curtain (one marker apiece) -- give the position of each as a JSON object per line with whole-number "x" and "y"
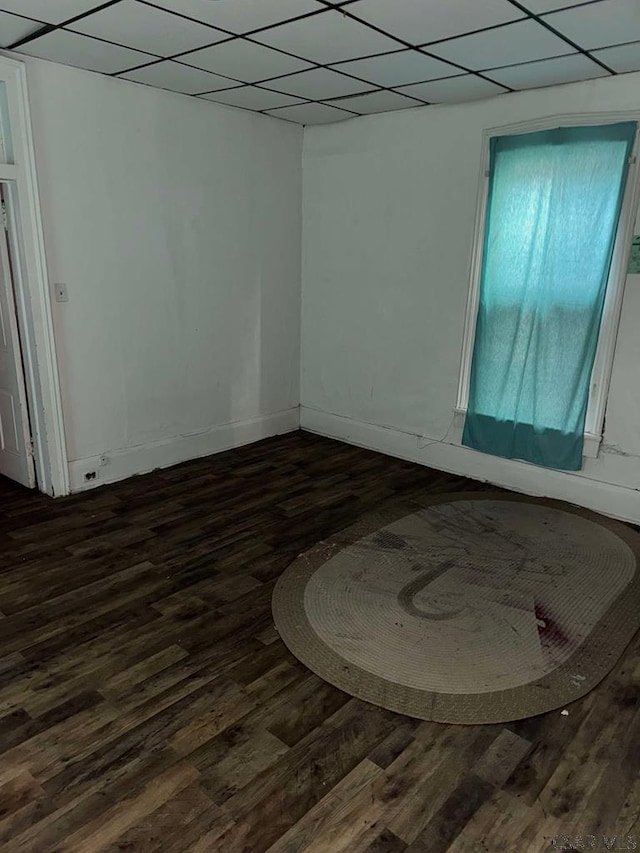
{"x": 552, "y": 213}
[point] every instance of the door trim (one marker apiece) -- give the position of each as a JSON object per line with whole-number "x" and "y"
{"x": 32, "y": 291}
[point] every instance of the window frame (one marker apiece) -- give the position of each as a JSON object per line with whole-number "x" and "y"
{"x": 603, "y": 363}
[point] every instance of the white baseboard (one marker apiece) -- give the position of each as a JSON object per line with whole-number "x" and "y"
{"x": 143, "y": 458}
{"x": 607, "y": 498}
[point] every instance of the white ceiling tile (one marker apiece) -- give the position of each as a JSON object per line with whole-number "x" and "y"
{"x": 143, "y": 27}
{"x": 311, "y": 114}
{"x": 377, "y": 102}
{"x": 624, "y": 58}
{"x": 519, "y": 42}
{"x": 50, "y": 11}
{"x": 599, "y": 24}
{"x": 241, "y": 17}
{"x": 14, "y": 28}
{"x": 539, "y": 7}
{"x": 327, "y": 37}
{"x": 549, "y": 72}
{"x": 319, "y": 84}
{"x": 396, "y": 69}
{"x": 84, "y": 52}
{"x": 244, "y": 61}
{"x": 252, "y": 98}
{"x": 178, "y": 78}
{"x": 454, "y": 90}
{"x": 422, "y": 21}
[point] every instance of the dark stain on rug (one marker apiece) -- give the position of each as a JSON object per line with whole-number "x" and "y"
{"x": 409, "y": 591}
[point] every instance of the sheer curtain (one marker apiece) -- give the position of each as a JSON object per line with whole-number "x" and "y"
{"x": 552, "y": 213}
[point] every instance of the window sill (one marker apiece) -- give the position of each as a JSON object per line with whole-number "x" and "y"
{"x": 591, "y": 441}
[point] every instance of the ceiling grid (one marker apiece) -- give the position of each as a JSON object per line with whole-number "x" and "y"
{"x": 315, "y": 61}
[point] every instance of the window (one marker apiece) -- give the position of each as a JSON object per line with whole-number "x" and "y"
{"x": 553, "y": 229}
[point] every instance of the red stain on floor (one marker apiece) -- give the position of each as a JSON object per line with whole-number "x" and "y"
{"x": 550, "y": 631}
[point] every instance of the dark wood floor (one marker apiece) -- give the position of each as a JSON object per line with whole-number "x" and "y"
{"x": 149, "y": 705}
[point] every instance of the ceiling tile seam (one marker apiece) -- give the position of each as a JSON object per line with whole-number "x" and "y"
{"x": 420, "y": 50}
{"x": 375, "y": 55}
{"x": 537, "y": 61}
{"x": 199, "y": 96}
{"x": 156, "y": 5}
{"x": 262, "y": 82}
{"x": 189, "y": 18}
{"x": 252, "y": 86}
{"x": 176, "y": 57}
{"x": 331, "y": 101}
{"x": 266, "y": 109}
{"x": 563, "y": 8}
{"x": 43, "y": 31}
{"x": 332, "y": 67}
{"x": 248, "y": 37}
{"x": 246, "y": 109}
{"x": 400, "y": 86}
{"x": 336, "y": 5}
{"x": 25, "y": 18}
{"x": 293, "y": 106}
{"x": 242, "y": 84}
{"x": 179, "y": 57}
{"x": 233, "y": 36}
{"x": 396, "y": 86}
{"x": 540, "y": 20}
{"x": 335, "y": 66}
{"x": 49, "y": 28}
{"x": 239, "y": 84}
{"x": 472, "y": 33}
{"x": 157, "y": 57}
{"x": 373, "y": 87}
{"x": 618, "y": 44}
{"x": 250, "y": 109}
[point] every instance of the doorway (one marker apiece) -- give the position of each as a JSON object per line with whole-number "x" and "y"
{"x": 32, "y": 437}
{"x": 16, "y": 445}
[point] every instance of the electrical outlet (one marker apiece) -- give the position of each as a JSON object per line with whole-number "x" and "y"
{"x": 61, "y": 292}
{"x": 90, "y": 475}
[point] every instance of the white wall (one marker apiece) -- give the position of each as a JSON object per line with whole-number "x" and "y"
{"x": 388, "y": 217}
{"x": 175, "y": 225}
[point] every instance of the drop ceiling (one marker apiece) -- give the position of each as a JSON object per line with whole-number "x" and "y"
{"x": 316, "y": 61}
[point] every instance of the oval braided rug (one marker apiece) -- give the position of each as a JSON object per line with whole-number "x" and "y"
{"x": 465, "y": 608}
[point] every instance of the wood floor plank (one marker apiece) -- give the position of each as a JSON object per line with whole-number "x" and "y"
{"x": 148, "y": 704}
{"x": 151, "y": 833}
{"x": 419, "y": 781}
{"x": 454, "y": 813}
{"x": 282, "y": 794}
{"x": 343, "y": 821}
{"x": 386, "y": 842}
{"x": 240, "y": 765}
{"x": 99, "y": 833}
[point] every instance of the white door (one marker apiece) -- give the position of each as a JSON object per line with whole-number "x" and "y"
{"x": 16, "y": 457}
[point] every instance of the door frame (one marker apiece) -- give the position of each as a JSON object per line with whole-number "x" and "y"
{"x": 31, "y": 284}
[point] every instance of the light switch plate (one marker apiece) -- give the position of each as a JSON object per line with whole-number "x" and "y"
{"x": 61, "y": 292}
